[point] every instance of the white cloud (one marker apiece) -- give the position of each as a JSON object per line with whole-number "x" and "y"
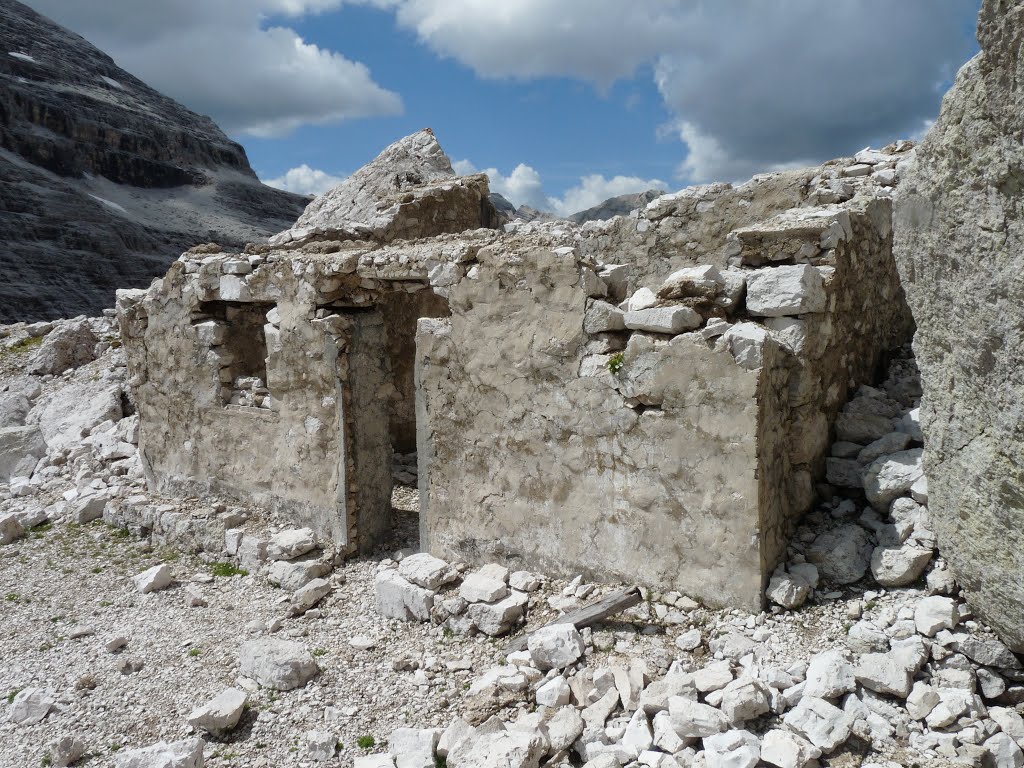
{"x": 214, "y": 57}
{"x": 305, "y": 181}
{"x": 753, "y": 85}
{"x": 598, "y": 40}
{"x": 524, "y": 186}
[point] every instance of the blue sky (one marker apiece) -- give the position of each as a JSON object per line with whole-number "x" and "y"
{"x": 562, "y": 102}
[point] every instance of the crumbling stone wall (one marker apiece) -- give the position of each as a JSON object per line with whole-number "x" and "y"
{"x": 659, "y": 415}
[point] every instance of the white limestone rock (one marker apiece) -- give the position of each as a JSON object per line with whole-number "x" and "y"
{"x": 885, "y": 673}
{"x": 642, "y": 298}
{"x": 788, "y": 290}
{"x": 507, "y": 749}
{"x": 31, "y": 705}
{"x": 309, "y": 595}
{"x": 691, "y": 719}
{"x": 554, "y": 693}
{"x": 179, "y": 754}
{"x": 787, "y": 750}
{"x": 75, "y": 410}
{"x": 374, "y": 761}
{"x": 668, "y": 320}
{"x": 295, "y": 574}
{"x": 842, "y": 555}
{"x": 890, "y": 477}
{"x": 11, "y": 528}
{"x": 291, "y": 543}
{"x": 486, "y": 585}
{"x": 732, "y": 749}
{"x": 66, "y": 751}
{"x": 899, "y": 566}
{"x": 70, "y": 345}
{"x": 319, "y": 745}
{"x": 745, "y": 341}
{"x": 399, "y": 599}
{"x": 638, "y": 736}
{"x": 791, "y": 590}
{"x": 414, "y": 747}
{"x": 677, "y": 682}
{"x": 425, "y": 570}
{"x": 455, "y": 734}
{"x": 923, "y": 698}
{"x": 824, "y": 725}
{"x": 564, "y": 726}
{"x": 935, "y": 613}
{"x": 556, "y": 646}
{"x": 18, "y": 443}
{"x": 704, "y": 281}
{"x": 1005, "y": 752}
{"x": 221, "y": 714}
{"x": 602, "y": 317}
{"x": 278, "y": 664}
{"x": 498, "y": 618}
{"x": 745, "y": 698}
{"x": 154, "y": 579}
{"x": 830, "y": 675}
{"x": 988, "y": 651}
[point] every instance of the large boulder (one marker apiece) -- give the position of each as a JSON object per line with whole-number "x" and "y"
{"x": 68, "y": 346}
{"x": 409, "y": 190}
{"x": 19, "y": 447}
{"x": 70, "y": 413}
{"x": 959, "y": 243}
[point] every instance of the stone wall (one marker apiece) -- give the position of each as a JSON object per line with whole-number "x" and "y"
{"x": 657, "y": 413}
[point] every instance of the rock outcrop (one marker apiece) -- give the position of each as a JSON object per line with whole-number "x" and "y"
{"x": 104, "y": 181}
{"x": 960, "y": 248}
{"x": 409, "y": 190}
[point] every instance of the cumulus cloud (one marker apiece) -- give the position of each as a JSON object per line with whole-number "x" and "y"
{"x": 305, "y": 181}
{"x": 752, "y": 85}
{"x": 524, "y": 186}
{"x": 216, "y": 57}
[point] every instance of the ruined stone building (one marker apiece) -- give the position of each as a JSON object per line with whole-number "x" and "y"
{"x": 648, "y": 398}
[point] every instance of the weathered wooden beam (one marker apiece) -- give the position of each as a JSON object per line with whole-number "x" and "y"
{"x": 588, "y": 615}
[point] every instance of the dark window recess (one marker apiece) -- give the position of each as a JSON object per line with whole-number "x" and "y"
{"x": 236, "y": 333}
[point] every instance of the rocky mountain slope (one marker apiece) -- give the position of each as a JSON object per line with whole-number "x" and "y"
{"x": 103, "y": 180}
{"x": 613, "y": 206}
{"x": 620, "y": 205}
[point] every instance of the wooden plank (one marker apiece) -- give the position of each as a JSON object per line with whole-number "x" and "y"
{"x": 592, "y": 613}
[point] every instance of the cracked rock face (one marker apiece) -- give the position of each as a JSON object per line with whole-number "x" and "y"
{"x": 103, "y": 180}
{"x": 960, "y": 249}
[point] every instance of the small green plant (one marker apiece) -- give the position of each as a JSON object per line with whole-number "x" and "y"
{"x": 440, "y": 762}
{"x": 366, "y": 741}
{"x": 12, "y": 694}
{"x": 319, "y": 651}
{"x": 616, "y": 362}
{"x": 227, "y": 570}
{"x": 193, "y": 652}
{"x": 114, "y": 746}
{"x": 47, "y": 760}
{"x": 12, "y": 597}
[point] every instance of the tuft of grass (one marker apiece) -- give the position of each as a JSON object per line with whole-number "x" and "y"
{"x": 319, "y": 651}
{"x": 12, "y": 597}
{"x": 227, "y": 570}
{"x": 366, "y": 741}
{"x": 193, "y": 652}
{"x": 12, "y": 694}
